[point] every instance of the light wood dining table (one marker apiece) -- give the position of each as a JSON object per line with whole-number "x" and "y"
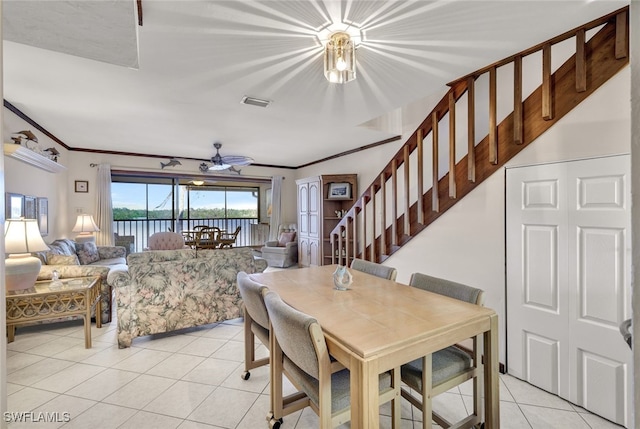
{"x": 378, "y": 324}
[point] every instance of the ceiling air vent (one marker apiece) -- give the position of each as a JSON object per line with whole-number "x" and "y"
{"x": 255, "y": 101}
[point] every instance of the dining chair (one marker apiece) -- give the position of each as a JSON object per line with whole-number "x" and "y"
{"x": 299, "y": 351}
{"x": 208, "y": 238}
{"x": 229, "y": 239}
{"x": 256, "y": 321}
{"x": 256, "y": 324}
{"x": 374, "y": 268}
{"x": 440, "y": 371}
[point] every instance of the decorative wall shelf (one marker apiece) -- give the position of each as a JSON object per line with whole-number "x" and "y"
{"x": 32, "y": 158}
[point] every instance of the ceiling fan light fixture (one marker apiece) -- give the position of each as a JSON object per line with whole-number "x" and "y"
{"x": 219, "y": 167}
{"x": 340, "y": 58}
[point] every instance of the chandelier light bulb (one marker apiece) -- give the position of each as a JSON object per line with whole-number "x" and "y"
{"x": 340, "y": 58}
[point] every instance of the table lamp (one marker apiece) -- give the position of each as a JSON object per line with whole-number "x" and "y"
{"x": 21, "y": 237}
{"x": 86, "y": 226}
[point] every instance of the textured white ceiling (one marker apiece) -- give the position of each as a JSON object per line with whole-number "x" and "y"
{"x": 99, "y": 30}
{"x": 197, "y": 59}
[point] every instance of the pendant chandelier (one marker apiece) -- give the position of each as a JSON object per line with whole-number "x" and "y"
{"x": 340, "y": 58}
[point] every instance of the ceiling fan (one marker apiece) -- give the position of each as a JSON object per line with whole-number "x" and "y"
{"x": 219, "y": 163}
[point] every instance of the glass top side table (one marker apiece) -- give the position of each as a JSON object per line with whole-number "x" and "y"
{"x": 48, "y": 300}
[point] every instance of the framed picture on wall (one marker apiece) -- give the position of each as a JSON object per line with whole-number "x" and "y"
{"x": 13, "y": 205}
{"x": 29, "y": 211}
{"x": 43, "y": 215}
{"x": 82, "y": 186}
{"x": 339, "y": 191}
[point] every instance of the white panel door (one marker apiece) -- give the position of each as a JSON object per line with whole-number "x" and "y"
{"x": 571, "y": 346}
{"x": 599, "y": 275}
{"x": 537, "y": 303}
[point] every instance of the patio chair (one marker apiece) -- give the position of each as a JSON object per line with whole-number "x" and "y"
{"x": 229, "y": 239}
{"x": 208, "y": 238}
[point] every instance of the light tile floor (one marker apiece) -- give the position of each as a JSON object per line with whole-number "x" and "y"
{"x": 191, "y": 380}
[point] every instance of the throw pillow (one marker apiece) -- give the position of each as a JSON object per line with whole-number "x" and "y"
{"x": 53, "y": 259}
{"x": 286, "y": 237}
{"x": 87, "y": 252}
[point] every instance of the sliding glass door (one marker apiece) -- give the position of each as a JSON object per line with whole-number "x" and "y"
{"x": 145, "y": 205}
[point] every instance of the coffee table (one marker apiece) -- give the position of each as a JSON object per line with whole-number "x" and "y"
{"x": 48, "y": 300}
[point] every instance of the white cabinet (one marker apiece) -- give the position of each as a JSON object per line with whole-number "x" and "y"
{"x": 317, "y": 215}
{"x": 309, "y": 229}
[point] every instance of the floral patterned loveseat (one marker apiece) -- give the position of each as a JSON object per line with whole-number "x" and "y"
{"x": 72, "y": 259}
{"x": 167, "y": 290}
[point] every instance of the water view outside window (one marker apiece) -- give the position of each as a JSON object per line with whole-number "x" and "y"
{"x": 141, "y": 209}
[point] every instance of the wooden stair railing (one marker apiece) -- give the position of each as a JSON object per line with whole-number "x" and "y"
{"x": 364, "y": 231}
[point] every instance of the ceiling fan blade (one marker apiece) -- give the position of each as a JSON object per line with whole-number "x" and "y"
{"x": 219, "y": 163}
{"x": 237, "y": 160}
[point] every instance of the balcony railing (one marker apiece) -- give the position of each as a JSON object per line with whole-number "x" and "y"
{"x": 139, "y": 230}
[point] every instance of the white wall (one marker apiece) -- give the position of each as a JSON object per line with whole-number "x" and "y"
{"x": 366, "y": 164}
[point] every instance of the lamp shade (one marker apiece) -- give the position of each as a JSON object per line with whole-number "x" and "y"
{"x": 340, "y": 58}
{"x": 21, "y": 237}
{"x": 85, "y": 224}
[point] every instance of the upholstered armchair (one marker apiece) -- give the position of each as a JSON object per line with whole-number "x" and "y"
{"x": 283, "y": 252}
{"x": 166, "y": 240}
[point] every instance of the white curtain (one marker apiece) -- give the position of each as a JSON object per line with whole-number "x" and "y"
{"x": 104, "y": 209}
{"x": 276, "y": 193}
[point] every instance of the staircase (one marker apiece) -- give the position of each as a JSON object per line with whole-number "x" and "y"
{"x": 403, "y": 200}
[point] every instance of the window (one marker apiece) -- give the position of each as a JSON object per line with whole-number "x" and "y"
{"x": 145, "y": 205}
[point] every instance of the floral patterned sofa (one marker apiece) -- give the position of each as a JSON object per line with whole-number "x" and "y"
{"x": 71, "y": 259}
{"x": 167, "y": 290}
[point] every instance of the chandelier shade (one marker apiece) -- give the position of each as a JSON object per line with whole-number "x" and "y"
{"x": 340, "y": 58}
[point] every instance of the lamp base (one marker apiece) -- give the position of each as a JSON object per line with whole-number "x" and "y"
{"x": 21, "y": 271}
{"x": 85, "y": 238}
